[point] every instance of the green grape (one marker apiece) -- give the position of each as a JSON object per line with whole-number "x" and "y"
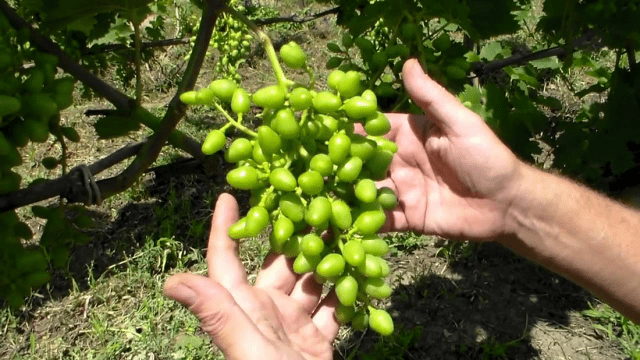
{"x": 238, "y": 230}
{"x": 271, "y": 97}
{"x": 359, "y": 108}
{"x": 300, "y": 99}
{"x": 344, "y": 314}
{"x": 376, "y": 288}
{"x": 334, "y": 78}
{"x": 362, "y": 147}
{"x": 244, "y": 178}
{"x": 387, "y": 198}
{"x": 378, "y": 61}
{"x": 339, "y": 146}
{"x": 282, "y": 179}
{"x": 240, "y": 149}
{"x": 293, "y": 55}
{"x": 189, "y": 97}
{"x": 282, "y": 231}
{"x": 240, "y": 101}
{"x": 304, "y": 263}
{"x": 311, "y": 182}
{"x": 377, "y": 124}
{"x": 381, "y": 322}
{"x": 223, "y": 89}
{"x": 347, "y": 290}
{"x": 286, "y": 124}
{"x": 292, "y": 207}
{"x": 9, "y": 105}
{"x": 312, "y": 245}
{"x": 318, "y": 211}
{"x": 50, "y": 162}
{"x": 331, "y": 266}
{"x": 350, "y": 170}
{"x": 379, "y": 163}
{"x": 341, "y": 214}
{"x": 349, "y": 84}
{"x": 442, "y": 43}
{"x": 360, "y": 320}
{"x": 366, "y": 190}
{"x": 353, "y": 253}
{"x": 325, "y": 102}
{"x": 322, "y": 164}
{"x": 370, "y": 267}
{"x": 369, "y": 222}
{"x": 455, "y": 72}
{"x": 257, "y": 220}
{"x": 214, "y": 142}
{"x": 268, "y": 140}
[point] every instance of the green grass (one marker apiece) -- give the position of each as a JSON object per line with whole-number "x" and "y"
{"x": 617, "y": 328}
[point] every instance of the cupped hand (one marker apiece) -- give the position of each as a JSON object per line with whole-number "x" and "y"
{"x": 282, "y": 316}
{"x": 452, "y": 175}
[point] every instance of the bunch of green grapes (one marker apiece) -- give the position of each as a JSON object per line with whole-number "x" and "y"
{"x": 31, "y": 98}
{"x": 387, "y": 46}
{"x": 312, "y": 168}
{"x": 233, "y": 40}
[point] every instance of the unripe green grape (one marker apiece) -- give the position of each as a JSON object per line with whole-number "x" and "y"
{"x": 240, "y": 149}
{"x": 373, "y": 245}
{"x": 223, "y": 89}
{"x": 268, "y": 140}
{"x": 344, "y": 314}
{"x": 376, "y": 288}
{"x": 322, "y": 164}
{"x": 384, "y": 144}
{"x": 349, "y": 84}
{"x": 292, "y": 247}
{"x": 381, "y": 322}
{"x": 353, "y": 253}
{"x": 325, "y": 102}
{"x": 189, "y": 97}
{"x": 286, "y": 124}
{"x": 362, "y": 147}
{"x": 312, "y": 245}
{"x": 331, "y": 266}
{"x": 293, "y": 55}
{"x": 318, "y": 211}
{"x": 240, "y": 102}
{"x": 341, "y": 214}
{"x": 360, "y": 320}
{"x": 334, "y": 79}
{"x": 49, "y": 162}
{"x": 238, "y": 230}
{"x": 243, "y": 178}
{"x": 379, "y": 163}
{"x": 270, "y": 97}
{"x": 387, "y": 198}
{"x": 366, "y": 190}
{"x": 359, "y": 108}
{"x": 282, "y": 179}
{"x": 311, "y": 182}
{"x": 214, "y": 142}
{"x": 282, "y": 231}
{"x": 300, "y": 99}
{"x": 349, "y": 171}
{"x": 339, "y": 146}
{"x": 257, "y": 220}
{"x": 347, "y": 290}
{"x": 292, "y": 207}
{"x": 370, "y": 267}
{"x": 304, "y": 263}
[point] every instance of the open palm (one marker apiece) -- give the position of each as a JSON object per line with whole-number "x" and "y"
{"x": 282, "y": 316}
{"x": 452, "y": 175}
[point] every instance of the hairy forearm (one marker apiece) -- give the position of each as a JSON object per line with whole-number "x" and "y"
{"x": 579, "y": 234}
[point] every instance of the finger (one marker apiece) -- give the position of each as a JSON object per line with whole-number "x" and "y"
{"x": 222, "y": 254}
{"x": 325, "y": 318}
{"x": 220, "y": 316}
{"x": 440, "y": 105}
{"x": 307, "y": 292}
{"x": 277, "y": 273}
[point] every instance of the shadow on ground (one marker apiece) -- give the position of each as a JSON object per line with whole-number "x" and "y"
{"x": 484, "y": 305}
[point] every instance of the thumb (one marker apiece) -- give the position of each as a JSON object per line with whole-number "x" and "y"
{"x": 444, "y": 109}
{"x": 229, "y": 326}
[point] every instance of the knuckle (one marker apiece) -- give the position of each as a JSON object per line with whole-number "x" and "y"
{"x": 214, "y": 322}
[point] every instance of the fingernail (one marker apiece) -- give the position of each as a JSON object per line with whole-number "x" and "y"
{"x": 183, "y": 294}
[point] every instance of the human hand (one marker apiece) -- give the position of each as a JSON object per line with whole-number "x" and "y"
{"x": 452, "y": 175}
{"x": 281, "y": 317}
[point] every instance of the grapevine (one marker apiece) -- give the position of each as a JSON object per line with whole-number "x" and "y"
{"x": 312, "y": 178}
{"x": 233, "y": 40}
{"x": 30, "y": 105}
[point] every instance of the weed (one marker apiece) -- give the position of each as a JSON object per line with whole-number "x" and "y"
{"x": 617, "y": 328}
